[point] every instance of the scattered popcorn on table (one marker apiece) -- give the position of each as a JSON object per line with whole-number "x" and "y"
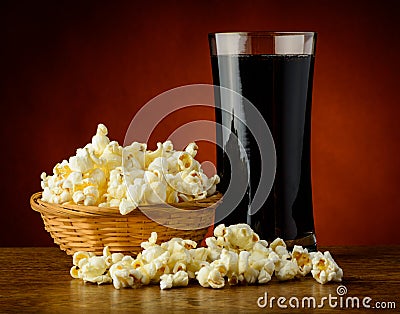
{"x": 234, "y": 253}
{"x": 105, "y": 174}
{"x": 208, "y": 276}
{"x": 325, "y": 269}
{"x": 179, "y": 279}
{"x": 287, "y": 271}
{"x": 303, "y": 259}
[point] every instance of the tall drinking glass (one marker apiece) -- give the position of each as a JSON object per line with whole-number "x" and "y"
{"x": 274, "y": 71}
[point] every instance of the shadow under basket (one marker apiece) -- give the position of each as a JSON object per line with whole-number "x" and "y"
{"x": 91, "y": 228}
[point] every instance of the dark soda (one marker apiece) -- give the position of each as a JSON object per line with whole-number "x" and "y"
{"x": 280, "y": 87}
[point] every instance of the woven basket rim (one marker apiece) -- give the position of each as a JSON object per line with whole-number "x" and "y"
{"x": 71, "y": 210}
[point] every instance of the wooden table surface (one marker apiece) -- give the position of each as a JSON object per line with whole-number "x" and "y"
{"x": 37, "y": 280}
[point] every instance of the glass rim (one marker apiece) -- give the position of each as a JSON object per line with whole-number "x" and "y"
{"x": 262, "y": 42}
{"x": 264, "y": 33}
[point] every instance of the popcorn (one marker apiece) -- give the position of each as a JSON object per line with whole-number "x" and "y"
{"x": 154, "y": 192}
{"x": 178, "y": 255}
{"x": 234, "y": 253}
{"x": 198, "y": 254}
{"x": 116, "y": 257}
{"x": 100, "y": 140}
{"x": 158, "y": 167}
{"x": 325, "y": 269}
{"x": 81, "y": 162}
{"x": 161, "y": 266}
{"x": 243, "y": 261}
{"x": 187, "y": 163}
{"x": 214, "y": 249}
{"x": 216, "y": 279}
{"x": 230, "y": 260}
{"x": 179, "y": 266}
{"x": 179, "y": 279}
{"x": 112, "y": 155}
{"x": 74, "y": 272}
{"x": 116, "y": 187}
{"x": 105, "y": 174}
{"x": 152, "y": 253}
{"x": 220, "y": 267}
{"x": 78, "y": 197}
{"x": 259, "y": 255}
{"x": 91, "y": 195}
{"x": 303, "y": 259}
{"x": 133, "y": 156}
{"x": 191, "y": 149}
{"x": 80, "y": 255}
{"x": 107, "y": 256}
{"x": 279, "y": 247}
{"x": 237, "y": 237}
{"x": 249, "y": 273}
{"x": 189, "y": 244}
{"x": 151, "y": 241}
{"x": 220, "y": 230}
{"x": 207, "y": 276}
{"x": 287, "y": 271}
{"x": 97, "y": 177}
{"x": 94, "y": 270}
{"x": 269, "y": 267}
{"x": 124, "y": 276}
{"x": 198, "y": 259}
{"x": 263, "y": 276}
{"x": 65, "y": 196}
{"x": 126, "y": 206}
{"x": 148, "y": 272}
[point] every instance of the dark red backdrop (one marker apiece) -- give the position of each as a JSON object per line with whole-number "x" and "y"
{"x": 68, "y": 65}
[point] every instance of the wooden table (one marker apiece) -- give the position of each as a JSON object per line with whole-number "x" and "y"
{"x": 37, "y": 280}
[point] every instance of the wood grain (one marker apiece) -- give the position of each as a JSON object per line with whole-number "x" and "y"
{"x": 37, "y": 280}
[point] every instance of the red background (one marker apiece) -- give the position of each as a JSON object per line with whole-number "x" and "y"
{"x": 68, "y": 65}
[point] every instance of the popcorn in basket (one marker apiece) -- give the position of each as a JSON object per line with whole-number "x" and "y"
{"x": 91, "y": 200}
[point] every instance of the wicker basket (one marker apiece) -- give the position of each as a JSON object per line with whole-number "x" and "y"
{"x": 90, "y": 228}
